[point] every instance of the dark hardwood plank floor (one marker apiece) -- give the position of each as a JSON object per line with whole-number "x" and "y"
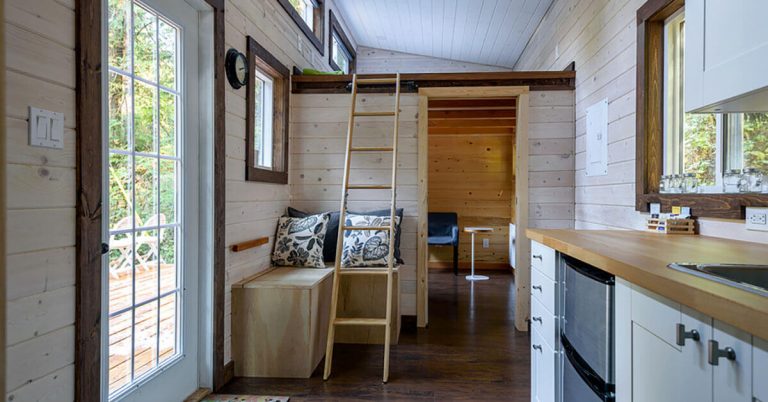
{"x": 469, "y": 352}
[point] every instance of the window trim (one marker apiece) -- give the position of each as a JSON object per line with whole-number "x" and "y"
{"x": 316, "y": 33}
{"x": 336, "y": 28}
{"x": 259, "y": 57}
{"x": 650, "y": 126}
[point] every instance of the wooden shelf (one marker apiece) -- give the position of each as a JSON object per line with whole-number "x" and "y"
{"x": 536, "y": 80}
{"x": 725, "y": 206}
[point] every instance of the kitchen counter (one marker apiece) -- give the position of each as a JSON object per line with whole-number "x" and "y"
{"x": 641, "y": 258}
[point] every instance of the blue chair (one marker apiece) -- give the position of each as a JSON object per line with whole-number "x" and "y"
{"x": 444, "y": 231}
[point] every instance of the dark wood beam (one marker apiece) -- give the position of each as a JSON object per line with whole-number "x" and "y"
{"x": 536, "y": 80}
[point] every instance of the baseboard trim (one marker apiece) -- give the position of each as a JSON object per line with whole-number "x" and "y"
{"x": 198, "y": 395}
{"x": 229, "y": 373}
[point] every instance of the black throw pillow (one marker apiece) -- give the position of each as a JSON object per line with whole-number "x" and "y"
{"x": 331, "y": 239}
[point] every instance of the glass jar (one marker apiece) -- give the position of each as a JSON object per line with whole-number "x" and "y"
{"x": 690, "y": 183}
{"x": 664, "y": 184}
{"x": 731, "y": 180}
{"x": 751, "y": 181}
{"x": 676, "y": 183}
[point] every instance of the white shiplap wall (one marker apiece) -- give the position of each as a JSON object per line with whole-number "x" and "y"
{"x": 372, "y": 61}
{"x": 40, "y": 71}
{"x": 318, "y": 135}
{"x": 318, "y": 131}
{"x": 600, "y": 36}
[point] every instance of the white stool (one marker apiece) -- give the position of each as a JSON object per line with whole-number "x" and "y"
{"x": 472, "y": 231}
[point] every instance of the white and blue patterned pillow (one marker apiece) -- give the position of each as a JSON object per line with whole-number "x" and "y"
{"x": 366, "y": 248}
{"x": 299, "y": 241}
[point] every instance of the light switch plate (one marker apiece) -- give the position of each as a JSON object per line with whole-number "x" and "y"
{"x": 757, "y": 219}
{"x": 486, "y": 243}
{"x": 46, "y": 128}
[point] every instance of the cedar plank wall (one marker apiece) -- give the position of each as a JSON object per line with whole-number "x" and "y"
{"x": 600, "y": 36}
{"x": 372, "y": 60}
{"x": 40, "y": 71}
{"x": 318, "y": 134}
{"x": 472, "y": 174}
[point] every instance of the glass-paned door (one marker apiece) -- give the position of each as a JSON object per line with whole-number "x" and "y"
{"x": 146, "y": 194}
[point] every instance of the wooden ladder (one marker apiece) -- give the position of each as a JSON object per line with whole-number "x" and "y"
{"x": 385, "y": 322}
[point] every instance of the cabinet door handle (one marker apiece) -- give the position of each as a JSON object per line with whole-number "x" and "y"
{"x": 537, "y": 287}
{"x": 537, "y": 319}
{"x": 715, "y": 353}
{"x": 536, "y": 347}
{"x": 682, "y": 335}
{"x": 538, "y": 256}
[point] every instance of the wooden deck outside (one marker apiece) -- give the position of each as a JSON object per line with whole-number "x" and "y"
{"x": 146, "y": 334}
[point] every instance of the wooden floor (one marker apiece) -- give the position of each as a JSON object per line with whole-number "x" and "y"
{"x": 470, "y": 352}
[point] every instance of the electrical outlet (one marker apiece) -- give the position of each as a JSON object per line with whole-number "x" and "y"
{"x": 486, "y": 243}
{"x": 757, "y": 219}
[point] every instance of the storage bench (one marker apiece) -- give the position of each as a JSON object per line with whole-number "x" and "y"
{"x": 280, "y": 318}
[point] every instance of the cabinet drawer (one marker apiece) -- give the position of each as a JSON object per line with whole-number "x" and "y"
{"x": 544, "y": 321}
{"x": 546, "y": 360}
{"x": 543, "y": 259}
{"x": 543, "y": 289}
{"x": 658, "y": 315}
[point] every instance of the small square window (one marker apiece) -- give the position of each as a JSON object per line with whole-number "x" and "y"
{"x": 341, "y": 54}
{"x": 267, "y": 117}
{"x": 309, "y": 17}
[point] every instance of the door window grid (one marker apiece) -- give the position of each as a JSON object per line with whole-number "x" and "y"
{"x": 153, "y": 314}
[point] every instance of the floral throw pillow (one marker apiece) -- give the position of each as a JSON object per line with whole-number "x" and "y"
{"x": 366, "y": 248}
{"x": 299, "y": 241}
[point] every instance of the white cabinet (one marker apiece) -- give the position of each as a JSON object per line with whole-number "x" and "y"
{"x": 673, "y": 353}
{"x": 732, "y": 374}
{"x": 545, "y": 330}
{"x": 726, "y": 46}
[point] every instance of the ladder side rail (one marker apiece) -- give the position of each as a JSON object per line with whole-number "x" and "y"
{"x": 392, "y": 212}
{"x": 340, "y": 238}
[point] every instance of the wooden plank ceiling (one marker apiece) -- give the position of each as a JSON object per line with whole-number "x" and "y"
{"x": 492, "y": 32}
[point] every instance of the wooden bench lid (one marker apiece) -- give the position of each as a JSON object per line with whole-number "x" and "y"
{"x": 289, "y": 277}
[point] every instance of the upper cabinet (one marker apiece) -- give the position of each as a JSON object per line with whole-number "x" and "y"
{"x": 727, "y": 54}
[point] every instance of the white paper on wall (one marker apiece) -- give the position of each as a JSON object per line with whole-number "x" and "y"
{"x": 597, "y": 139}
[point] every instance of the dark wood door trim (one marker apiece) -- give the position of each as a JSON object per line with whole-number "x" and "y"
{"x": 88, "y": 209}
{"x": 89, "y": 178}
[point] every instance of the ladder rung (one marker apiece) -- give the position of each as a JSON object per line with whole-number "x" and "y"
{"x": 366, "y": 271}
{"x": 361, "y": 321}
{"x": 371, "y": 114}
{"x": 370, "y": 187}
{"x": 366, "y": 227}
{"x": 372, "y": 81}
{"x": 371, "y": 149}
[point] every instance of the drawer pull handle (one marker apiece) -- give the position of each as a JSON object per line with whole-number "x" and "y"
{"x": 538, "y": 256}
{"x": 536, "y": 347}
{"x": 537, "y": 287}
{"x": 682, "y": 335}
{"x": 715, "y": 353}
{"x": 537, "y": 319}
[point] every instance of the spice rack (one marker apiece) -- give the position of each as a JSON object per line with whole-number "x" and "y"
{"x": 672, "y": 226}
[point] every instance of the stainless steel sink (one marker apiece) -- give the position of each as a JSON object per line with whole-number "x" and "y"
{"x": 752, "y": 278}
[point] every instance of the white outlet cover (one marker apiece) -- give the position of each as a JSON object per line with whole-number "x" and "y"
{"x": 486, "y": 243}
{"x": 757, "y": 219}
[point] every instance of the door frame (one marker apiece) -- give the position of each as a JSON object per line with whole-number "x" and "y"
{"x": 522, "y": 250}
{"x": 89, "y": 158}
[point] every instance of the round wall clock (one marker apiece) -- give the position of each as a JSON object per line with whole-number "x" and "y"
{"x": 237, "y": 68}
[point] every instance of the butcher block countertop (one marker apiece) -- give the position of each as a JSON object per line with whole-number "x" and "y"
{"x": 641, "y": 258}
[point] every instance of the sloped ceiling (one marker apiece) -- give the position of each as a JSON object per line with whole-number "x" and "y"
{"x": 492, "y": 32}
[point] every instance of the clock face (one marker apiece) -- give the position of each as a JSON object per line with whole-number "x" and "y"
{"x": 241, "y": 70}
{"x": 237, "y": 68}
